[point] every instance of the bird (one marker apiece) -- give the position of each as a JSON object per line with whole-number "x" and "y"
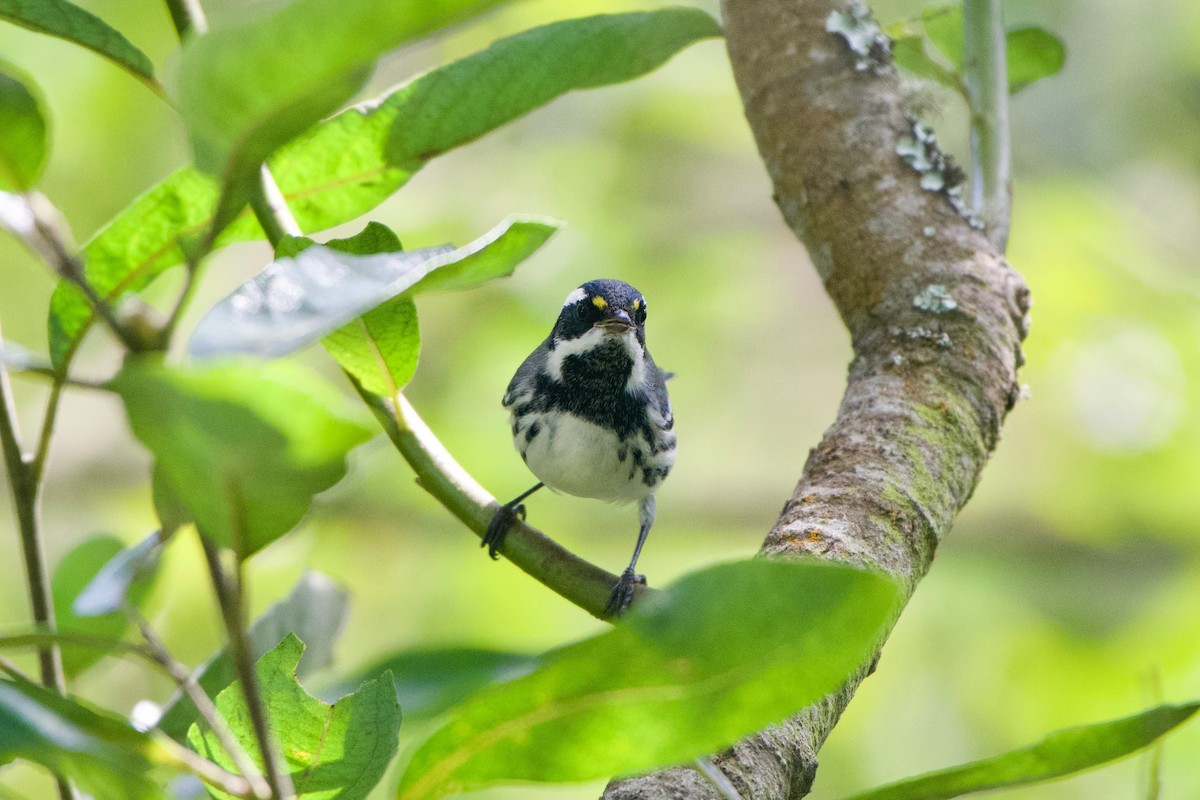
{"x": 590, "y": 415}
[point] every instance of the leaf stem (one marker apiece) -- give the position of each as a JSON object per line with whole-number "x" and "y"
{"x": 186, "y": 679}
{"x": 25, "y": 484}
{"x": 230, "y": 598}
{"x": 986, "y": 72}
{"x": 271, "y": 209}
{"x": 563, "y": 572}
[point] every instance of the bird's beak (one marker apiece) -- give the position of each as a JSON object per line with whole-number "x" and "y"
{"x": 616, "y": 321}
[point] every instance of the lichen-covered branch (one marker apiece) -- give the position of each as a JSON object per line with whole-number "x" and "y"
{"x": 935, "y": 314}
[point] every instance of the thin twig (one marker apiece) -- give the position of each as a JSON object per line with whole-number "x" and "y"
{"x": 10, "y": 668}
{"x": 717, "y": 778}
{"x": 565, "y": 573}
{"x": 186, "y": 679}
{"x": 26, "y": 492}
{"x": 271, "y": 209}
{"x": 229, "y": 597}
{"x": 41, "y": 455}
{"x": 205, "y": 770}
{"x": 986, "y": 72}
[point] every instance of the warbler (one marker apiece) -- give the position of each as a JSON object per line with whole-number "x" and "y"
{"x": 590, "y": 414}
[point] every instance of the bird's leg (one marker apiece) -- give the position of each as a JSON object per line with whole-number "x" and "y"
{"x": 622, "y": 593}
{"x": 506, "y": 515}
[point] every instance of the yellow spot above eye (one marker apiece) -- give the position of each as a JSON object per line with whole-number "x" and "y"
{"x": 600, "y": 303}
{"x": 637, "y": 304}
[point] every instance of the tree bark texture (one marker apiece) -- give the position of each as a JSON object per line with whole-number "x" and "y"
{"x": 936, "y": 317}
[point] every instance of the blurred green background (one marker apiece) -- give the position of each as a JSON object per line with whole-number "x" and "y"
{"x": 1069, "y": 590}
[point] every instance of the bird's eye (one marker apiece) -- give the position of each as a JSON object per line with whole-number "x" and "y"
{"x": 582, "y": 310}
{"x": 640, "y": 314}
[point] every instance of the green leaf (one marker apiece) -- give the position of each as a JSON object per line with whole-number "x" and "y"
{"x": 315, "y": 610}
{"x": 430, "y": 681}
{"x": 723, "y": 652}
{"x": 332, "y": 751}
{"x": 943, "y": 24}
{"x": 300, "y": 299}
{"x": 1063, "y": 753}
{"x": 247, "y": 90}
{"x": 22, "y": 131}
{"x": 74, "y": 573}
{"x": 68, "y": 21}
{"x": 1033, "y": 53}
{"x": 243, "y": 446}
{"x": 345, "y": 167}
{"x": 119, "y": 578}
{"x": 909, "y": 53}
{"x": 101, "y": 754}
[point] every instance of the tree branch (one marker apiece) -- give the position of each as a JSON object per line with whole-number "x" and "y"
{"x": 540, "y": 557}
{"x": 936, "y": 318}
{"x": 986, "y": 70}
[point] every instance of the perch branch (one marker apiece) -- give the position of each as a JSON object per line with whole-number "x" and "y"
{"x": 936, "y": 319}
{"x": 565, "y": 573}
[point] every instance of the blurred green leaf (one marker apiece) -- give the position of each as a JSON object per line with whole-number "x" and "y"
{"x": 101, "y": 754}
{"x": 22, "y": 131}
{"x": 72, "y": 576}
{"x": 345, "y": 167}
{"x": 244, "y": 446}
{"x": 247, "y": 90}
{"x": 68, "y": 21}
{"x": 720, "y": 654}
{"x": 119, "y": 578}
{"x": 332, "y": 751}
{"x": 1059, "y": 754}
{"x": 315, "y": 610}
{"x": 943, "y": 25}
{"x": 298, "y": 300}
{"x": 430, "y": 681}
{"x": 909, "y": 53}
{"x": 1033, "y": 53}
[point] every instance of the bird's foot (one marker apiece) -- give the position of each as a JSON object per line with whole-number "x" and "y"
{"x": 506, "y": 517}
{"x": 622, "y": 593}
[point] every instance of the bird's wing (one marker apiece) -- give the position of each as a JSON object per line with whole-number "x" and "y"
{"x": 526, "y": 376}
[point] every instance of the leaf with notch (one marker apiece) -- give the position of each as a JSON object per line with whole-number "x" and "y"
{"x": 332, "y": 751}
{"x": 721, "y": 653}
{"x": 100, "y": 753}
{"x": 300, "y": 299}
{"x": 314, "y": 610}
{"x": 1063, "y": 753}
{"x": 70, "y": 22}
{"x": 245, "y": 447}
{"x": 22, "y": 131}
{"x": 348, "y": 165}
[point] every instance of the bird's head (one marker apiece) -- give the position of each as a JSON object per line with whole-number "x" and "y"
{"x": 608, "y": 307}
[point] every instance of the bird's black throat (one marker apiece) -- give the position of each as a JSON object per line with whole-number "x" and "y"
{"x": 593, "y": 387}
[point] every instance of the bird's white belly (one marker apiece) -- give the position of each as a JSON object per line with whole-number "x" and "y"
{"x": 572, "y": 455}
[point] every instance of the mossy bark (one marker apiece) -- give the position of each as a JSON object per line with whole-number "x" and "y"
{"x": 930, "y": 383}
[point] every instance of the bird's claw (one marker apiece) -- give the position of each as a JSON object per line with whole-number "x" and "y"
{"x": 505, "y": 516}
{"x": 622, "y": 593}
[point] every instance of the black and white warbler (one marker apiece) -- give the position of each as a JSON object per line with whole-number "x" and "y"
{"x": 590, "y": 414}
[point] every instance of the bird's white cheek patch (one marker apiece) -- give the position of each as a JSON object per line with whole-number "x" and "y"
{"x": 571, "y": 347}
